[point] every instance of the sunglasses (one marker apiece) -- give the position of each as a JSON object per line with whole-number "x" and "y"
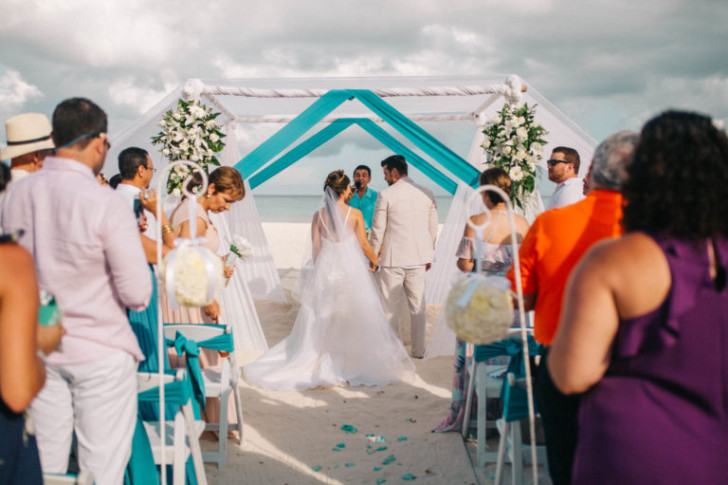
{"x": 553, "y": 163}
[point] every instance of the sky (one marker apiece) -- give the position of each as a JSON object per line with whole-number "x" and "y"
{"x": 606, "y": 65}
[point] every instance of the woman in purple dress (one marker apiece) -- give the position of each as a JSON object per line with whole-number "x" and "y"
{"x": 644, "y": 329}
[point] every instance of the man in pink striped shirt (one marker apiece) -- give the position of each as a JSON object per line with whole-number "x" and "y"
{"x": 85, "y": 243}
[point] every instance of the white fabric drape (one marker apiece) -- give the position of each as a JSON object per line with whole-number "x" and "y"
{"x": 259, "y": 270}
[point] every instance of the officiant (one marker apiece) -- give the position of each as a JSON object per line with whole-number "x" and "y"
{"x": 363, "y": 198}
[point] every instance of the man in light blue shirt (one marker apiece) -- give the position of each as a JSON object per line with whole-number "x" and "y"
{"x": 363, "y": 198}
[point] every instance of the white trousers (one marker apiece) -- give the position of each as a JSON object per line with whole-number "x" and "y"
{"x": 412, "y": 280}
{"x": 97, "y": 400}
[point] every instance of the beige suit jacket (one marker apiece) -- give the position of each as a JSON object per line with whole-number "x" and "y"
{"x": 405, "y": 225}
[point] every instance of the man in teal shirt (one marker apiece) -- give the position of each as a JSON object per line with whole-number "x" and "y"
{"x": 363, "y": 198}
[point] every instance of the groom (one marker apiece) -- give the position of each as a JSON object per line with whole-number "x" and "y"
{"x": 404, "y": 229}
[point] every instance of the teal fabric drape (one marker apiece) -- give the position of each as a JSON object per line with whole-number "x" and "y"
{"x": 286, "y": 136}
{"x": 336, "y": 127}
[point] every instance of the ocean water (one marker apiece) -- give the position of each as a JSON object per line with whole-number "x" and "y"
{"x": 300, "y": 208}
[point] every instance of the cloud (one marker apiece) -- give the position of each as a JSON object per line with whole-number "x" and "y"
{"x": 15, "y": 92}
{"x": 128, "y": 91}
{"x": 607, "y": 65}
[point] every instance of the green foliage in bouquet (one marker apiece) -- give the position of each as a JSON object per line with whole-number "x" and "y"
{"x": 514, "y": 141}
{"x": 189, "y": 132}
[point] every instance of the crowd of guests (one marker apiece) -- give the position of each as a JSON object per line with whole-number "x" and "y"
{"x": 627, "y": 285}
{"x": 625, "y": 274}
{"x": 68, "y": 235}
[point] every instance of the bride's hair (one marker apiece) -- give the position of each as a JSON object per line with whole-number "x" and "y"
{"x": 338, "y": 181}
{"x": 498, "y": 177}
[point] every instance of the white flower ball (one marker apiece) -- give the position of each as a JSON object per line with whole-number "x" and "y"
{"x": 479, "y": 309}
{"x": 192, "y": 278}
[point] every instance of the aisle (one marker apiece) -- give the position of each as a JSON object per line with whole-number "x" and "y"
{"x": 297, "y": 437}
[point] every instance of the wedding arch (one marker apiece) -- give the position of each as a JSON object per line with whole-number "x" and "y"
{"x": 265, "y": 118}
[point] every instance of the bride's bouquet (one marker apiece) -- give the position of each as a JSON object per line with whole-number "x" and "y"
{"x": 479, "y": 309}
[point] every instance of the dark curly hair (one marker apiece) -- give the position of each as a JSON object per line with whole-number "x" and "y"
{"x": 676, "y": 184}
{"x": 338, "y": 181}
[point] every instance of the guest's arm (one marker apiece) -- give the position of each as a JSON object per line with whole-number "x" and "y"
{"x": 22, "y": 373}
{"x": 581, "y": 349}
{"x": 466, "y": 262}
{"x": 528, "y": 257}
{"x": 169, "y": 234}
{"x": 125, "y": 256}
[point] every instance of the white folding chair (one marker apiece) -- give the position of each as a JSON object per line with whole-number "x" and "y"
{"x": 511, "y": 442}
{"x": 218, "y": 383}
{"x": 181, "y": 434}
{"x": 83, "y": 478}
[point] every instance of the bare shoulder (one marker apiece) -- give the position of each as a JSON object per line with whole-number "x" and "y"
{"x": 521, "y": 224}
{"x": 16, "y": 265}
{"x": 14, "y": 257}
{"x": 635, "y": 270}
{"x": 356, "y": 213}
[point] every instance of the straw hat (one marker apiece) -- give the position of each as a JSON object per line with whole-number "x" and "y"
{"x": 27, "y": 133}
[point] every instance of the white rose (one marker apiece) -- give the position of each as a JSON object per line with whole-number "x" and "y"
{"x": 177, "y": 116}
{"x": 177, "y": 192}
{"x": 165, "y": 152}
{"x": 177, "y": 136}
{"x": 507, "y": 150}
{"x": 520, "y": 155}
{"x": 214, "y": 137}
{"x": 520, "y": 120}
{"x": 210, "y": 124}
{"x": 537, "y": 147}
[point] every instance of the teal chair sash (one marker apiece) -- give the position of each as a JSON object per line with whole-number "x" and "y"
{"x": 191, "y": 350}
{"x": 513, "y": 347}
{"x": 141, "y": 469}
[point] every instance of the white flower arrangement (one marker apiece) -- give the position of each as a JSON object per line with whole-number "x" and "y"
{"x": 479, "y": 309}
{"x": 514, "y": 141}
{"x": 194, "y": 271}
{"x": 189, "y": 132}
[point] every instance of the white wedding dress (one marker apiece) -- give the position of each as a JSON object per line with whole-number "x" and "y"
{"x": 341, "y": 335}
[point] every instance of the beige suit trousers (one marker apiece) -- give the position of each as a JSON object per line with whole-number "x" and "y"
{"x": 412, "y": 280}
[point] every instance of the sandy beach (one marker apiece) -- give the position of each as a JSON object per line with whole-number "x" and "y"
{"x": 367, "y": 435}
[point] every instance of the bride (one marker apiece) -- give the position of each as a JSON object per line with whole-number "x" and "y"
{"x": 341, "y": 335}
